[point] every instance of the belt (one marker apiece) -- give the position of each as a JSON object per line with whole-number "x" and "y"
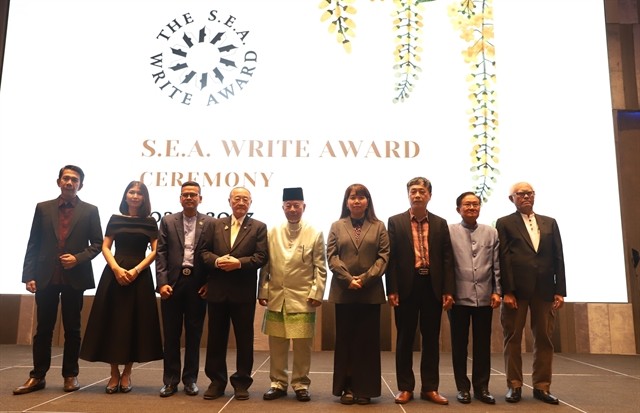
{"x": 186, "y": 271}
{"x": 422, "y": 271}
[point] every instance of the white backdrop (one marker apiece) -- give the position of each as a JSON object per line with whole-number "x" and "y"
{"x": 78, "y": 87}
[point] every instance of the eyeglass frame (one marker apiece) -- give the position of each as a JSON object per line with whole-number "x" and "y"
{"x": 471, "y": 205}
{"x": 192, "y": 195}
{"x": 523, "y": 194}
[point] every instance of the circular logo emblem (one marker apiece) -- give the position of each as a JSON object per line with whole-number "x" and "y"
{"x": 203, "y": 61}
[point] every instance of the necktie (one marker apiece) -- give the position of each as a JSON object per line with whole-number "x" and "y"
{"x": 235, "y": 227}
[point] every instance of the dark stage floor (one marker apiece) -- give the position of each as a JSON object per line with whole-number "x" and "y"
{"x": 583, "y": 382}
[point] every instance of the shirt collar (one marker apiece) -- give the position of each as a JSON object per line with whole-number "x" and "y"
{"x": 467, "y": 226}
{"x": 525, "y": 216}
{"x": 357, "y": 222}
{"x": 189, "y": 219}
{"x": 74, "y": 201}
{"x": 413, "y": 217}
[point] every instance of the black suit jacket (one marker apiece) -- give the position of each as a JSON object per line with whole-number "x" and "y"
{"x": 251, "y": 248}
{"x": 170, "y": 251}
{"x": 401, "y": 270}
{"x": 525, "y": 272}
{"x": 84, "y": 241}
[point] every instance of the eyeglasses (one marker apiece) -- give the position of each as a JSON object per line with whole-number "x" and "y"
{"x": 471, "y": 205}
{"x": 190, "y": 195}
{"x": 525, "y": 194}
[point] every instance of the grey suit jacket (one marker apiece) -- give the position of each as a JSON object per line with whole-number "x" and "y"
{"x": 84, "y": 241}
{"x": 170, "y": 251}
{"x": 525, "y": 272}
{"x": 251, "y": 248}
{"x": 401, "y": 271}
{"x": 367, "y": 257}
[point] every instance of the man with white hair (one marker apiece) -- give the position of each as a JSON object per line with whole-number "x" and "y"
{"x": 533, "y": 278}
{"x": 291, "y": 287}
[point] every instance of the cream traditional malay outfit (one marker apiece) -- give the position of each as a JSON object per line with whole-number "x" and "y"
{"x": 296, "y": 271}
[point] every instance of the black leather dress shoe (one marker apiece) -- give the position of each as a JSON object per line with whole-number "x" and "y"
{"x": 30, "y": 385}
{"x": 302, "y": 395}
{"x": 71, "y": 384}
{"x": 464, "y": 397}
{"x": 168, "y": 390}
{"x": 241, "y": 394}
{"x": 484, "y": 396}
{"x": 545, "y": 396}
{"x": 514, "y": 395}
{"x": 213, "y": 392}
{"x": 191, "y": 389}
{"x": 274, "y": 393}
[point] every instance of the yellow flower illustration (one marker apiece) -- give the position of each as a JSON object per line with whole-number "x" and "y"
{"x": 338, "y": 13}
{"x": 473, "y": 19}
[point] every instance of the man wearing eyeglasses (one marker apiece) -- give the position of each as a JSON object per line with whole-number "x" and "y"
{"x": 533, "y": 278}
{"x": 477, "y": 271}
{"x": 234, "y": 249}
{"x": 182, "y": 284}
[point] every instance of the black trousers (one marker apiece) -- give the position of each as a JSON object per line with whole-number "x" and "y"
{"x": 221, "y": 315}
{"x": 47, "y": 300}
{"x": 460, "y": 317}
{"x": 422, "y": 307}
{"x": 184, "y": 308}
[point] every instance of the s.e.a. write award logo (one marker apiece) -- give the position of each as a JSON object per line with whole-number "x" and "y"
{"x": 203, "y": 60}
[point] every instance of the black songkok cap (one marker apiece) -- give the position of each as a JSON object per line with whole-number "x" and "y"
{"x": 292, "y": 194}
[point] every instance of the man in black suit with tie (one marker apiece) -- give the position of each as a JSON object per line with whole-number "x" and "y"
{"x": 533, "y": 277}
{"x": 182, "y": 284}
{"x": 420, "y": 284}
{"x": 234, "y": 250}
{"x": 65, "y": 236}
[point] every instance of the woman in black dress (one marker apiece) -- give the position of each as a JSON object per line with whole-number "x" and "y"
{"x": 123, "y": 325}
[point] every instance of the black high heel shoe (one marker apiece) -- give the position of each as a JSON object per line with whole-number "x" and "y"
{"x": 125, "y": 389}
{"x": 114, "y": 389}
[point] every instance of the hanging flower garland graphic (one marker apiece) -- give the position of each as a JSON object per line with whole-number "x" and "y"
{"x": 474, "y": 20}
{"x": 407, "y": 25}
{"x": 337, "y": 13}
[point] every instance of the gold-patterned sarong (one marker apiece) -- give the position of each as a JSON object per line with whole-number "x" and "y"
{"x": 296, "y": 325}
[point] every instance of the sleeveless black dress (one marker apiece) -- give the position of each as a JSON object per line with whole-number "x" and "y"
{"x": 123, "y": 325}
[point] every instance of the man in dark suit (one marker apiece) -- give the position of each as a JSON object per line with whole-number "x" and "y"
{"x": 420, "y": 284}
{"x": 182, "y": 284}
{"x": 65, "y": 236}
{"x": 233, "y": 251}
{"x": 533, "y": 277}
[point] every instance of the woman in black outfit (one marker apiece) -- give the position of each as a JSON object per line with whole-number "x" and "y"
{"x": 357, "y": 253}
{"x": 123, "y": 325}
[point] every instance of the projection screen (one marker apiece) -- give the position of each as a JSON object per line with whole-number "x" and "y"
{"x": 319, "y": 94}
